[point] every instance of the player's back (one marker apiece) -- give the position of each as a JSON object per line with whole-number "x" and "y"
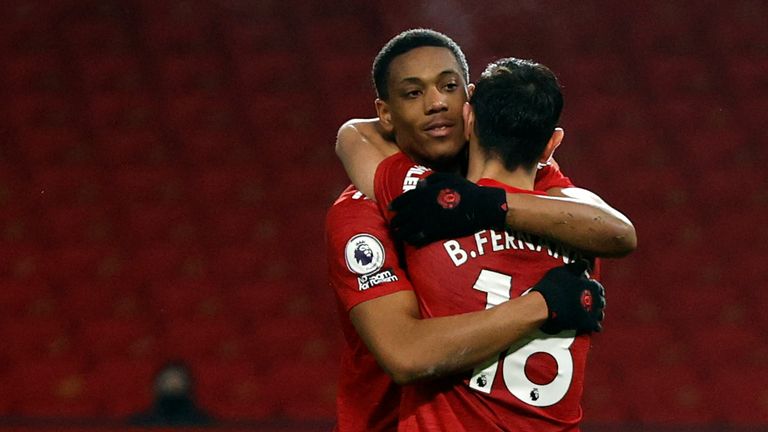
{"x": 537, "y": 384}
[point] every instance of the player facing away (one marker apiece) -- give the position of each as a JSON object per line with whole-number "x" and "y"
{"x": 536, "y": 385}
{"x": 378, "y": 310}
{"x": 387, "y": 342}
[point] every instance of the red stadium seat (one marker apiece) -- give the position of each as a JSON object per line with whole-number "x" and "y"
{"x": 103, "y": 34}
{"x": 112, "y": 73}
{"x": 25, "y": 299}
{"x": 579, "y": 75}
{"x": 121, "y": 387}
{"x": 242, "y": 185}
{"x": 340, "y": 33}
{"x": 740, "y": 29}
{"x": 296, "y": 337}
{"x": 244, "y": 262}
{"x": 665, "y": 28}
{"x": 33, "y": 73}
{"x": 604, "y": 400}
{"x": 54, "y": 145}
{"x": 239, "y": 225}
{"x": 133, "y": 147}
{"x": 150, "y": 184}
{"x": 626, "y": 346}
{"x": 747, "y": 74}
{"x": 41, "y": 110}
{"x": 264, "y": 34}
{"x": 197, "y": 339}
{"x": 113, "y": 298}
{"x": 292, "y": 397}
{"x": 688, "y": 112}
{"x": 233, "y": 390}
{"x": 197, "y": 111}
{"x": 72, "y": 262}
{"x": 671, "y": 75}
{"x": 251, "y": 301}
{"x": 35, "y": 339}
{"x": 160, "y": 223}
{"x": 728, "y": 345}
{"x": 51, "y": 389}
{"x": 176, "y": 299}
{"x": 177, "y": 26}
{"x": 270, "y": 72}
{"x": 669, "y": 395}
{"x": 604, "y": 111}
{"x": 228, "y": 147}
{"x": 189, "y": 75}
{"x": 116, "y": 338}
{"x": 21, "y": 261}
{"x": 18, "y": 223}
{"x": 77, "y": 224}
{"x": 741, "y": 399}
{"x": 161, "y": 262}
{"x": 116, "y": 112}
{"x": 715, "y": 148}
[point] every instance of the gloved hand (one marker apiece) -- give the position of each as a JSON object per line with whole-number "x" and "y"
{"x": 447, "y": 206}
{"x": 574, "y": 301}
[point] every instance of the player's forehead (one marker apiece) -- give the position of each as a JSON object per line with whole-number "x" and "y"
{"x": 426, "y": 64}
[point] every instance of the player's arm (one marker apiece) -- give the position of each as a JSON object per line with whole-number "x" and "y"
{"x": 362, "y": 144}
{"x": 577, "y": 218}
{"x": 409, "y": 348}
{"x": 384, "y": 310}
{"x": 573, "y": 216}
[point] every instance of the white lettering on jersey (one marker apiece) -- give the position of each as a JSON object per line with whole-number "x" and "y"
{"x": 457, "y": 254}
{"x": 500, "y": 242}
{"x": 413, "y": 176}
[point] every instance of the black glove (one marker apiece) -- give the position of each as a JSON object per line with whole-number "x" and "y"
{"x": 574, "y": 302}
{"x": 447, "y": 206}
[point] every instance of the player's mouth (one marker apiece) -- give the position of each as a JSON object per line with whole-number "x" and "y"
{"x": 439, "y": 128}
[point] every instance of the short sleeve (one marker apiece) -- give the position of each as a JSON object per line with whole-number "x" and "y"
{"x": 362, "y": 260}
{"x": 395, "y": 175}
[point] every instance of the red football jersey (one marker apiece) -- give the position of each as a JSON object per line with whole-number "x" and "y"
{"x": 400, "y": 168}
{"x": 363, "y": 265}
{"x": 536, "y": 385}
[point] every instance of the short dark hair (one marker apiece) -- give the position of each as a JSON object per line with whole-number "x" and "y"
{"x": 405, "y": 42}
{"x": 517, "y": 105}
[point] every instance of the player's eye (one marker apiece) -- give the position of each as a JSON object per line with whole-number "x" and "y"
{"x": 412, "y": 94}
{"x": 451, "y": 86}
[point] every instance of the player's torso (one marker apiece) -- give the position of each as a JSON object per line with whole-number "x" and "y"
{"x": 537, "y": 384}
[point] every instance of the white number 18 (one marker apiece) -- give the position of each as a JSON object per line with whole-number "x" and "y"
{"x": 497, "y": 287}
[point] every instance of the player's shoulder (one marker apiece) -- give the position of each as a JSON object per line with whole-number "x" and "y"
{"x": 352, "y": 206}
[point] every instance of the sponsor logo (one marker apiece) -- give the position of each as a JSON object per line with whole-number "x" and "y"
{"x": 364, "y": 254}
{"x": 369, "y": 281}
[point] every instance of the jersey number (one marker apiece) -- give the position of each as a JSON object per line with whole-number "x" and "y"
{"x": 497, "y": 287}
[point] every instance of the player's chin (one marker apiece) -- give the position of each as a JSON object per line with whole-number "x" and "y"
{"x": 444, "y": 156}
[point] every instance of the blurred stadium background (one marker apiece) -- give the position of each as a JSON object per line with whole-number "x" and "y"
{"x": 165, "y": 167}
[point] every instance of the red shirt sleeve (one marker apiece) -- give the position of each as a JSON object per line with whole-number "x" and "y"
{"x": 551, "y": 177}
{"x": 362, "y": 259}
{"x": 395, "y": 175}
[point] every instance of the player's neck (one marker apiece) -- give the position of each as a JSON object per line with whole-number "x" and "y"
{"x": 492, "y": 168}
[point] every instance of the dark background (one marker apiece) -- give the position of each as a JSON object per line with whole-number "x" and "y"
{"x": 165, "y": 167}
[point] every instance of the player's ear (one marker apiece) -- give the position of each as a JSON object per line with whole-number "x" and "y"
{"x": 469, "y": 120}
{"x": 385, "y": 115}
{"x": 552, "y": 145}
{"x": 470, "y": 90}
